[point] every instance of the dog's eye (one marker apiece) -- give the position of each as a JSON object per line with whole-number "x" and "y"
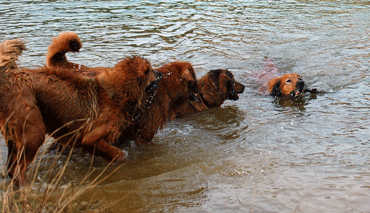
{"x": 147, "y": 71}
{"x": 289, "y": 80}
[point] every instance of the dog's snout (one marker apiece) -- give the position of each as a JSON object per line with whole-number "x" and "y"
{"x": 300, "y": 85}
{"x": 242, "y": 89}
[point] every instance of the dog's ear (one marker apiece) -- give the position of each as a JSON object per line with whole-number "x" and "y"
{"x": 215, "y": 76}
{"x": 276, "y": 91}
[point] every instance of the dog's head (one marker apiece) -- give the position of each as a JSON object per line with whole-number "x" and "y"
{"x": 140, "y": 73}
{"x": 219, "y": 85}
{"x": 287, "y": 85}
{"x": 181, "y": 83}
{"x": 130, "y": 79}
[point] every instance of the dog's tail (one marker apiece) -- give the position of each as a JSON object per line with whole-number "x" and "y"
{"x": 10, "y": 50}
{"x": 65, "y": 42}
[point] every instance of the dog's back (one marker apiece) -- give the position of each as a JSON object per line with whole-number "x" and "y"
{"x": 270, "y": 71}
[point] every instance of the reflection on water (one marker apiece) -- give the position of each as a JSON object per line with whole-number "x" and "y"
{"x": 257, "y": 154}
{"x": 298, "y": 103}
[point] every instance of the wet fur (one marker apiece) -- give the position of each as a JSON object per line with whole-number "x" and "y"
{"x": 177, "y": 86}
{"x": 65, "y": 42}
{"x": 286, "y": 85}
{"x": 290, "y": 84}
{"x": 214, "y": 88}
{"x": 176, "y": 89}
{"x": 178, "y": 94}
{"x": 10, "y": 50}
{"x": 80, "y": 111}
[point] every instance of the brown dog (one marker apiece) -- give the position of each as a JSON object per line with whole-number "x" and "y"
{"x": 286, "y": 85}
{"x": 176, "y": 88}
{"x": 215, "y": 87}
{"x": 177, "y": 95}
{"x": 84, "y": 112}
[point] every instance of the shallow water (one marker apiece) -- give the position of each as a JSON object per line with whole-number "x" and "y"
{"x": 256, "y": 154}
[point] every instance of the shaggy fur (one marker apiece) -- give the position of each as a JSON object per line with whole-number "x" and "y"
{"x": 178, "y": 94}
{"x": 178, "y": 86}
{"x": 65, "y": 42}
{"x": 9, "y": 52}
{"x": 83, "y": 112}
{"x": 215, "y": 87}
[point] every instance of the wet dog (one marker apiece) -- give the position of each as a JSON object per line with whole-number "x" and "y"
{"x": 177, "y": 87}
{"x": 214, "y": 88}
{"x": 286, "y": 85}
{"x": 178, "y": 94}
{"x": 80, "y": 111}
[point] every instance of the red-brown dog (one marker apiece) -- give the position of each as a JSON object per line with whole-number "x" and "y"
{"x": 90, "y": 113}
{"x": 286, "y": 85}
{"x": 177, "y": 87}
{"x": 178, "y": 94}
{"x": 215, "y": 87}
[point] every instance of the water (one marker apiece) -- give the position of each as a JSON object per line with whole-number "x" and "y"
{"x": 252, "y": 155}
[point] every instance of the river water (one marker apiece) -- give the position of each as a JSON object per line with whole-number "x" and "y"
{"x": 256, "y": 154}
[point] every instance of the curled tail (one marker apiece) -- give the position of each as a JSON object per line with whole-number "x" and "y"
{"x": 10, "y": 50}
{"x": 65, "y": 42}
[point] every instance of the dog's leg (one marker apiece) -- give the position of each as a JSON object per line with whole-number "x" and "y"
{"x": 145, "y": 134}
{"x": 22, "y": 149}
{"x": 96, "y": 134}
{"x": 95, "y": 141}
{"x": 106, "y": 151}
{"x": 101, "y": 127}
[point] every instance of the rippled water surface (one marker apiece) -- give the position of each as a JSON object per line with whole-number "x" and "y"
{"x": 256, "y": 154}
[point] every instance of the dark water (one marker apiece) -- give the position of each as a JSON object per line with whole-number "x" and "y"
{"x": 252, "y": 155}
